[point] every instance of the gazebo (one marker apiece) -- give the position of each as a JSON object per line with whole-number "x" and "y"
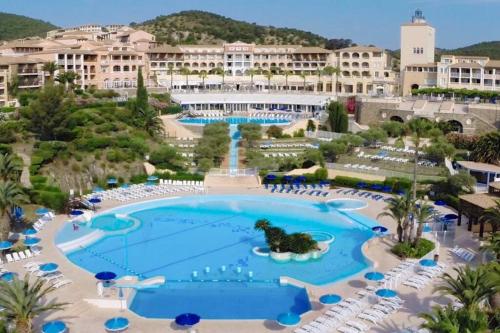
{"x": 473, "y": 206}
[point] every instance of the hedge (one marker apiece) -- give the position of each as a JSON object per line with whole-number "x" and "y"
{"x": 395, "y": 183}
{"x": 54, "y": 200}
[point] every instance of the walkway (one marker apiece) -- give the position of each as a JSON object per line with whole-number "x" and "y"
{"x": 25, "y": 174}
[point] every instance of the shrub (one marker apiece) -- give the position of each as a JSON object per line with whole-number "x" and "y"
{"x": 166, "y": 157}
{"x": 407, "y": 250}
{"x": 5, "y": 148}
{"x": 462, "y": 141}
{"x": 321, "y": 174}
{"x": 172, "y": 109}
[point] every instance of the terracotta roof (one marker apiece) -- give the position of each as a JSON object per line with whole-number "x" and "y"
{"x": 464, "y": 57}
{"x": 495, "y": 185}
{"x": 311, "y": 49}
{"x": 466, "y": 65}
{"x": 7, "y": 60}
{"x": 164, "y": 49}
{"x": 481, "y": 200}
{"x": 493, "y": 63}
{"x": 361, "y": 49}
{"x": 430, "y": 64}
{"x": 477, "y": 166}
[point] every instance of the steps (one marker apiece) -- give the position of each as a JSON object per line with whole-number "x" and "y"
{"x": 228, "y": 181}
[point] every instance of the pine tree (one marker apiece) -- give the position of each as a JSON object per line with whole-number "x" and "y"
{"x": 337, "y": 117}
{"x": 141, "y": 102}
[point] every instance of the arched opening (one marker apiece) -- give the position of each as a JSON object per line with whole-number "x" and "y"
{"x": 345, "y": 55}
{"x": 116, "y": 68}
{"x": 397, "y": 118}
{"x": 455, "y": 126}
{"x": 414, "y": 86}
{"x": 355, "y": 55}
{"x": 345, "y": 64}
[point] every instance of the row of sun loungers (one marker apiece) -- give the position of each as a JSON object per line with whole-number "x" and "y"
{"x": 299, "y": 190}
{"x": 401, "y": 150}
{"x": 463, "y": 253}
{"x": 383, "y": 158}
{"x": 286, "y": 145}
{"x": 361, "y": 167}
{"x": 270, "y": 115}
{"x": 42, "y": 221}
{"x": 21, "y": 255}
{"x": 280, "y": 154}
{"x": 187, "y": 154}
{"x": 427, "y": 163}
{"x": 55, "y": 279}
{"x": 182, "y": 145}
{"x": 185, "y": 139}
{"x": 362, "y": 194}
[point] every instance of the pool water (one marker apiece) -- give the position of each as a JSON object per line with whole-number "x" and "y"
{"x": 234, "y": 121}
{"x": 213, "y": 236}
{"x": 347, "y": 204}
{"x": 111, "y": 223}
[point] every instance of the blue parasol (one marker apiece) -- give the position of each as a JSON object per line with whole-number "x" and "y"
{"x": 32, "y": 241}
{"x": 380, "y": 229}
{"x": 374, "y": 276}
{"x": 29, "y": 232}
{"x": 330, "y": 299}
{"x": 55, "y": 326}
{"x": 49, "y": 267}
{"x": 152, "y": 178}
{"x": 105, "y": 276}
{"x": 450, "y": 217}
{"x": 95, "y": 200}
{"x": 427, "y": 229}
{"x": 427, "y": 263}
{"x": 5, "y": 245}
{"x": 288, "y": 319}
{"x": 440, "y": 203}
{"x": 386, "y": 293}
{"x": 361, "y": 185}
{"x": 41, "y": 211}
{"x": 116, "y": 324}
{"x": 187, "y": 319}
{"x": 76, "y": 212}
{"x": 8, "y": 276}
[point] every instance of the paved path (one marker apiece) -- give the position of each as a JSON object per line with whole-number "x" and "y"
{"x": 25, "y": 175}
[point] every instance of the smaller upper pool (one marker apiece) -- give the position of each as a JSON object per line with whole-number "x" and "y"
{"x": 111, "y": 222}
{"x": 347, "y": 204}
{"x": 235, "y": 121}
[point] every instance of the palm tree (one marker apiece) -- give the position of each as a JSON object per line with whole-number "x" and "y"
{"x": 470, "y": 286}
{"x": 492, "y": 216}
{"x": 492, "y": 245}
{"x": 11, "y": 196}
{"x": 398, "y": 209}
{"x": 220, "y": 71}
{"x": 449, "y": 320}
{"x": 150, "y": 121}
{"x": 421, "y": 215}
{"x": 171, "y": 73}
{"x": 68, "y": 78}
{"x": 303, "y": 75}
{"x": 262, "y": 224}
{"x": 487, "y": 149}
{"x": 10, "y": 168}
{"x": 318, "y": 72}
{"x": 203, "y": 75}
{"x": 252, "y": 72}
{"x": 287, "y": 73}
{"x": 22, "y": 301}
{"x": 418, "y": 127}
{"x": 333, "y": 72}
{"x": 185, "y": 71}
{"x": 50, "y": 67}
{"x": 269, "y": 76}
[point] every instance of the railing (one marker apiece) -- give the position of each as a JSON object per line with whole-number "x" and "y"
{"x": 323, "y": 135}
{"x": 380, "y": 172}
{"x": 234, "y": 172}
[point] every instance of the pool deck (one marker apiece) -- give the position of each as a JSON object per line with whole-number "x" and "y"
{"x": 84, "y": 317}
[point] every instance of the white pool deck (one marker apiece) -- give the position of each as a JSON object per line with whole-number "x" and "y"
{"x": 83, "y": 317}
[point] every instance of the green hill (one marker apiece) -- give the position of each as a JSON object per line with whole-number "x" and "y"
{"x": 198, "y": 27}
{"x": 485, "y": 49}
{"x": 16, "y": 26}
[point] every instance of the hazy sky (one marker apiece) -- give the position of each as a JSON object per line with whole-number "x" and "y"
{"x": 458, "y": 22}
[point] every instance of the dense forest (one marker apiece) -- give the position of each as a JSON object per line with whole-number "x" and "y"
{"x": 486, "y": 49}
{"x": 16, "y": 26}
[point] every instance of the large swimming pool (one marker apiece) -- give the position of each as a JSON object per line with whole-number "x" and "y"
{"x": 203, "y": 246}
{"x": 235, "y": 121}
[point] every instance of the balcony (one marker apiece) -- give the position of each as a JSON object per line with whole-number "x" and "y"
{"x": 27, "y": 71}
{"x": 455, "y": 74}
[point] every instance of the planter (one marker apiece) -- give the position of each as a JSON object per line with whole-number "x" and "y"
{"x": 282, "y": 256}
{"x": 302, "y": 257}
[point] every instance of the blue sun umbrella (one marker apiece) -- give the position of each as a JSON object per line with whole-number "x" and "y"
{"x": 105, "y": 276}
{"x": 49, "y": 267}
{"x": 29, "y": 232}
{"x": 95, "y": 200}
{"x": 361, "y": 185}
{"x": 187, "y": 319}
{"x": 41, "y": 211}
{"x": 387, "y": 189}
{"x": 5, "y": 245}
{"x": 152, "y": 178}
{"x": 271, "y": 177}
{"x": 330, "y": 299}
{"x": 374, "y": 276}
{"x": 32, "y": 241}
{"x": 380, "y": 229}
{"x": 427, "y": 263}
{"x": 450, "y": 217}
{"x": 288, "y": 319}
{"x": 440, "y": 203}
{"x": 386, "y": 293}
{"x": 55, "y": 326}
{"x": 376, "y": 187}
{"x": 116, "y": 324}
{"x": 8, "y": 276}
{"x": 76, "y": 212}
{"x": 287, "y": 179}
{"x": 112, "y": 181}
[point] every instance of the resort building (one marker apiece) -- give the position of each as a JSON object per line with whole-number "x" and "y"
{"x": 483, "y": 173}
{"x": 21, "y": 72}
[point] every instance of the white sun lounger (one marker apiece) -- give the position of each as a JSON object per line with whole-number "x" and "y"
{"x": 16, "y": 256}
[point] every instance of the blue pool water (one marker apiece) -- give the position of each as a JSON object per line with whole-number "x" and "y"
{"x": 233, "y": 148}
{"x": 179, "y": 236}
{"x": 347, "y": 204}
{"x": 234, "y": 121}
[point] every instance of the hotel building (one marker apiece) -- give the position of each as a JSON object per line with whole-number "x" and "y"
{"x": 23, "y": 72}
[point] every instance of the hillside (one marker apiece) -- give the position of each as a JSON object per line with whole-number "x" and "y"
{"x": 486, "y": 49}
{"x": 198, "y": 27}
{"x": 16, "y": 26}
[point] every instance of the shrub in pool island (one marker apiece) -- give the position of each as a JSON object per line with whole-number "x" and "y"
{"x": 280, "y": 242}
{"x": 408, "y": 250}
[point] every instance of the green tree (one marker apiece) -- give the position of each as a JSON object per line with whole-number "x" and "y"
{"x": 166, "y": 157}
{"x": 171, "y": 73}
{"x": 287, "y": 73}
{"x": 492, "y": 216}
{"x": 186, "y": 72}
{"x": 470, "y": 286}
{"x": 418, "y": 128}
{"x": 332, "y": 149}
{"x": 439, "y": 150}
{"x": 487, "y": 149}
{"x": 337, "y": 117}
{"x": 13, "y": 85}
{"x": 449, "y": 320}
{"x": 10, "y": 167}
{"x": 333, "y": 72}
{"x": 269, "y": 75}
{"x": 141, "y": 98}
{"x": 492, "y": 245}
{"x": 311, "y": 126}
{"x": 203, "y": 75}
{"x": 303, "y": 75}
{"x": 250, "y": 133}
{"x": 251, "y": 72}
{"x": 398, "y": 208}
{"x": 274, "y": 132}
{"x": 49, "y": 112}
{"x": 68, "y": 79}
{"x": 150, "y": 121}
{"x": 11, "y": 195}
{"x": 50, "y": 67}
{"x": 393, "y": 128}
{"x": 374, "y": 135}
{"x": 23, "y": 301}
{"x": 220, "y": 71}
{"x": 421, "y": 214}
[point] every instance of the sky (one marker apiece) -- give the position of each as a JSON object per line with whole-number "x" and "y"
{"x": 458, "y": 22}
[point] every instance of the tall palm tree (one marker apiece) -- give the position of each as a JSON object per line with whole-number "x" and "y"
{"x": 11, "y": 196}
{"x": 262, "y": 224}
{"x": 171, "y": 73}
{"x": 421, "y": 215}
{"x": 252, "y": 72}
{"x": 185, "y": 71}
{"x": 333, "y": 72}
{"x": 303, "y": 75}
{"x": 50, "y": 67}
{"x": 269, "y": 76}
{"x": 318, "y": 73}
{"x": 398, "y": 209}
{"x": 10, "y": 167}
{"x": 492, "y": 216}
{"x": 418, "y": 127}
{"x": 220, "y": 71}
{"x": 469, "y": 286}
{"x": 151, "y": 122}
{"x": 449, "y": 320}
{"x": 287, "y": 73}
{"x": 492, "y": 245}
{"x": 68, "y": 79}
{"x": 22, "y": 301}
{"x": 203, "y": 75}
